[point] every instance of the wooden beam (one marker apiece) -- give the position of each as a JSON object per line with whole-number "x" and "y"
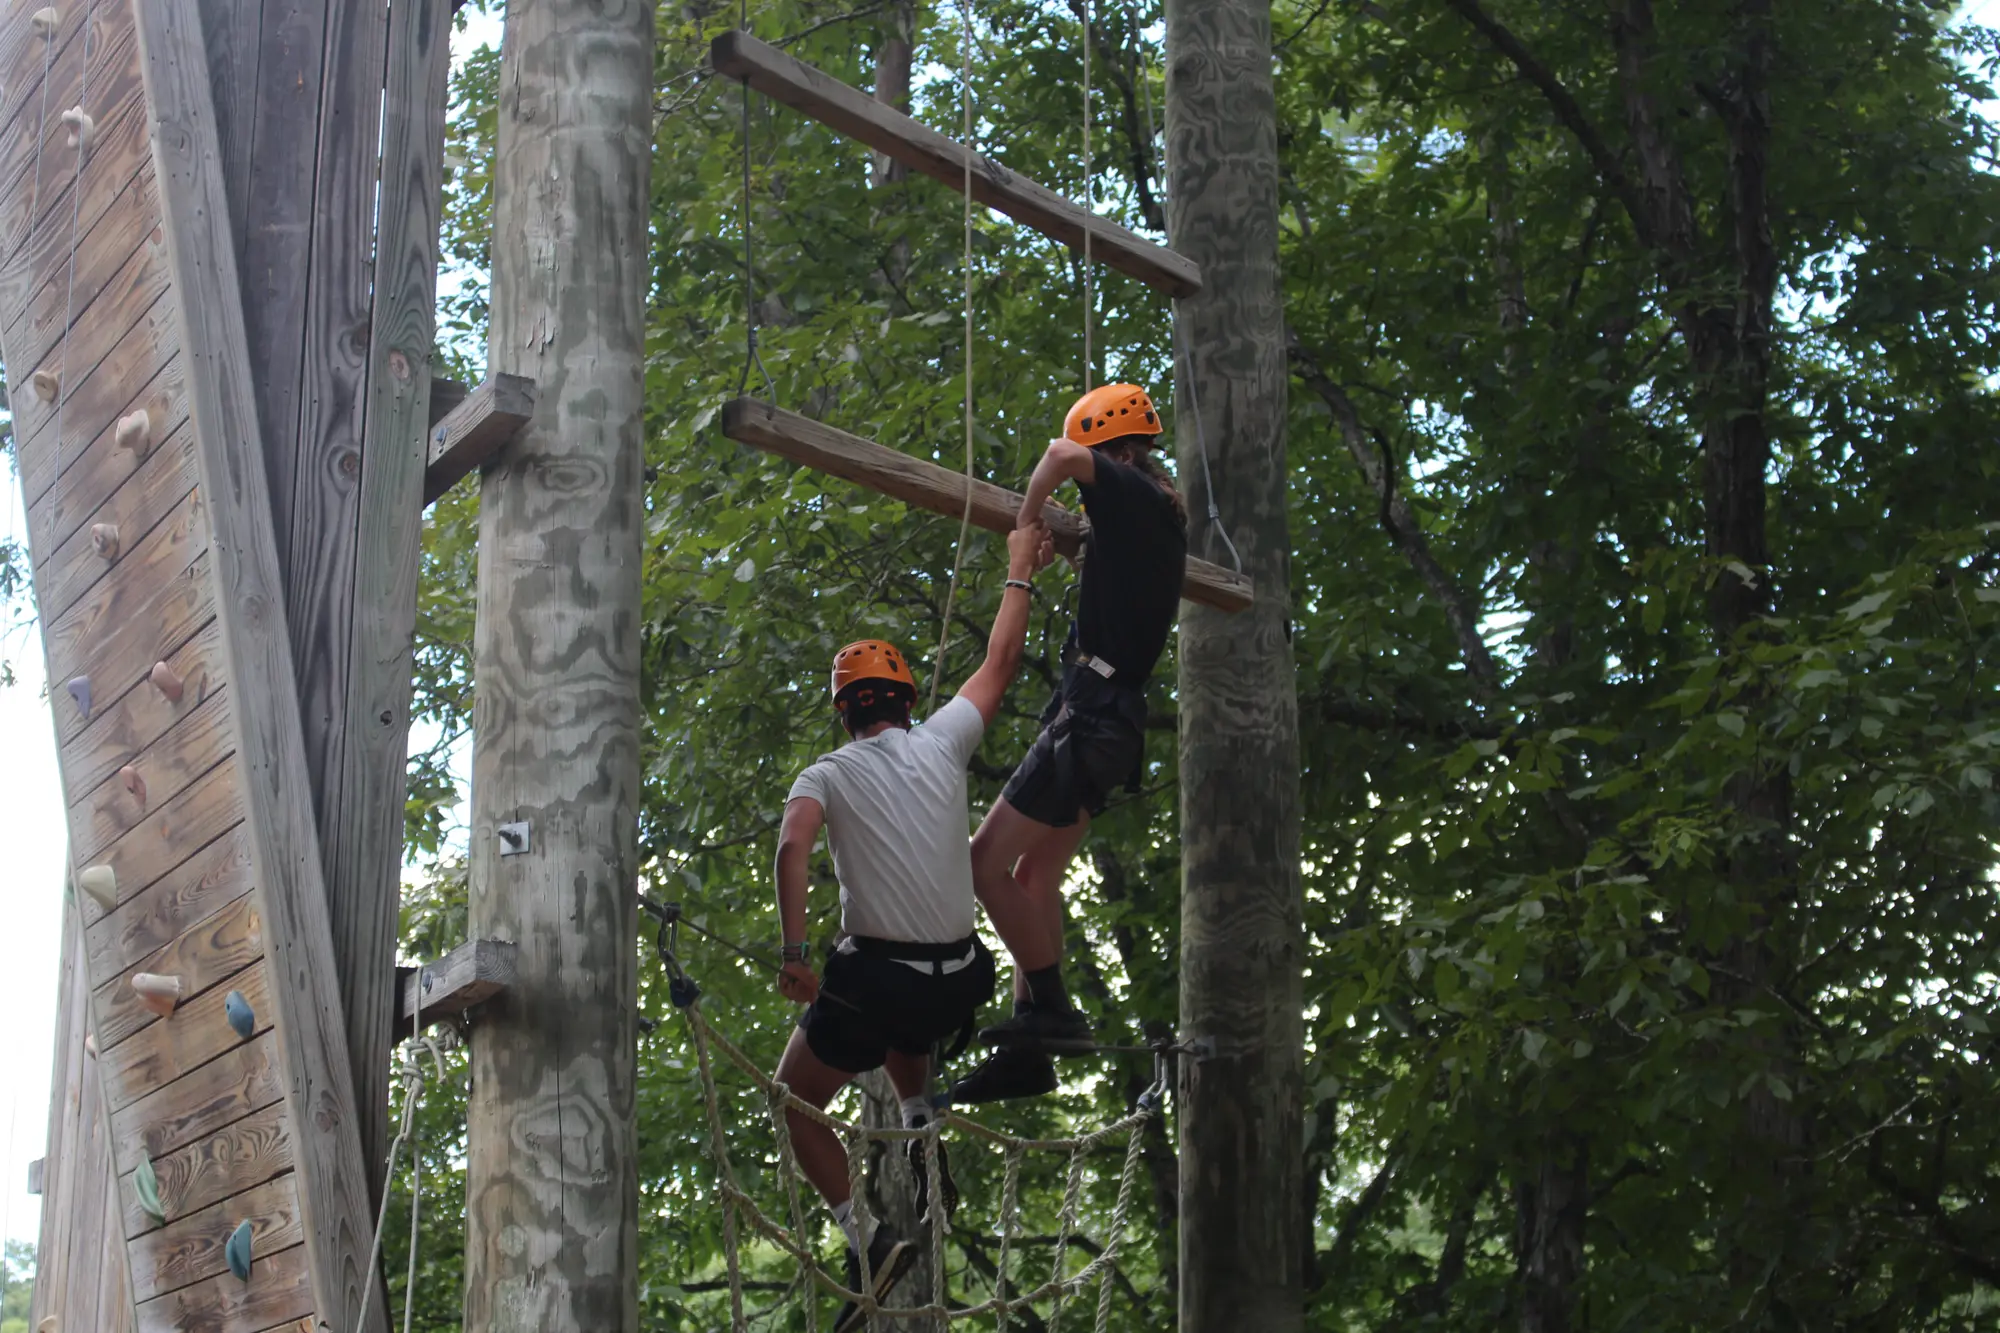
{"x": 476, "y": 429}
{"x": 917, "y": 482}
{"x": 35, "y": 1175}
{"x": 445, "y": 395}
{"x": 921, "y": 148}
{"x": 270, "y": 768}
{"x": 475, "y": 971}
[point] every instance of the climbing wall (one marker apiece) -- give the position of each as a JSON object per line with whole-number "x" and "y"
{"x": 213, "y": 1104}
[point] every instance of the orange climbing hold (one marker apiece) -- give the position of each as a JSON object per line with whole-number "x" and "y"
{"x": 166, "y": 682}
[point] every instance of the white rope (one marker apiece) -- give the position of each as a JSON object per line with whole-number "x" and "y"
{"x": 740, "y": 1207}
{"x": 412, "y": 1070}
{"x": 75, "y": 216}
{"x": 1089, "y": 205}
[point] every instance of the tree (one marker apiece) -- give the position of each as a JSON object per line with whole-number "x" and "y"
{"x": 17, "y": 1285}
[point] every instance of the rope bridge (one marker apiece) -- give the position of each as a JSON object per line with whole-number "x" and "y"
{"x": 740, "y": 1207}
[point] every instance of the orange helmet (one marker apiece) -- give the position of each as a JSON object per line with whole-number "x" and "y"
{"x": 1110, "y": 412}
{"x": 870, "y": 659}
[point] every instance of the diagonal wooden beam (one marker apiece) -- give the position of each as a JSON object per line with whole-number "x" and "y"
{"x": 921, "y": 148}
{"x": 476, "y": 429}
{"x": 940, "y": 490}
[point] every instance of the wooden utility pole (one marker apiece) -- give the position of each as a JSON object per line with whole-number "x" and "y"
{"x": 1243, "y": 1224}
{"x": 552, "y": 1192}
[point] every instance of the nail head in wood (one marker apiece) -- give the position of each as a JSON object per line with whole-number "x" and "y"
{"x": 101, "y": 883}
{"x": 104, "y": 539}
{"x": 167, "y": 682}
{"x": 135, "y": 431}
{"x": 158, "y": 993}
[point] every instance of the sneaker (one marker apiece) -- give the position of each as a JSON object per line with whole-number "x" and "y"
{"x": 889, "y": 1257}
{"x": 946, "y": 1185}
{"x": 1053, "y": 1030}
{"x": 1008, "y": 1072}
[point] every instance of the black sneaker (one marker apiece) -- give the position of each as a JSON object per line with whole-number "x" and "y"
{"x": 1052, "y": 1030}
{"x": 889, "y": 1257}
{"x": 1007, "y": 1073}
{"x": 946, "y": 1185}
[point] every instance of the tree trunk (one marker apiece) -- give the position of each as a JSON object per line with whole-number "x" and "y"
{"x": 892, "y": 1197}
{"x": 1553, "y": 1206}
{"x": 1242, "y": 1188}
{"x": 551, "y": 1198}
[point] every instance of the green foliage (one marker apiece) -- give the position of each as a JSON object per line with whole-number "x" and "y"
{"x": 17, "y": 1285}
{"x": 1536, "y": 962}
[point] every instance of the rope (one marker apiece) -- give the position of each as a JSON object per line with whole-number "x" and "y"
{"x": 1089, "y": 204}
{"x": 412, "y": 1070}
{"x": 965, "y": 518}
{"x": 750, "y": 353}
{"x": 75, "y": 208}
{"x": 739, "y": 1206}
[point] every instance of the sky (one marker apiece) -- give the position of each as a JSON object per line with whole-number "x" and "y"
{"x": 32, "y": 840}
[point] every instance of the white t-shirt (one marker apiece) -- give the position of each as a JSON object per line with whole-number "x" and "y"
{"x": 898, "y": 818}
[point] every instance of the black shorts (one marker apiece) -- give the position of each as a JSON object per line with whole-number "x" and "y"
{"x": 1076, "y": 763}
{"x": 873, "y": 1000}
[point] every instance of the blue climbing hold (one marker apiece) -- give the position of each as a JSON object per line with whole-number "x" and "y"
{"x": 79, "y": 690}
{"x": 241, "y": 1016}
{"x": 237, "y": 1251}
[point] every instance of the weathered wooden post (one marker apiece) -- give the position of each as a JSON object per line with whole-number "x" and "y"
{"x": 551, "y": 1241}
{"x": 1243, "y": 1232}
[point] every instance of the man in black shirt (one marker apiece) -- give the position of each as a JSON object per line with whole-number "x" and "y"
{"x": 1093, "y": 739}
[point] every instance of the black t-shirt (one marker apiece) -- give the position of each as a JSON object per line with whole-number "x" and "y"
{"x": 1133, "y": 564}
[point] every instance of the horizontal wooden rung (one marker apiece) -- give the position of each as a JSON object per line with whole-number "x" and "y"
{"x": 921, "y": 148}
{"x": 479, "y": 427}
{"x": 918, "y": 482}
{"x": 472, "y": 972}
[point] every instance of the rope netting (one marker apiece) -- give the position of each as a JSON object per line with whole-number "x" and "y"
{"x": 740, "y": 1208}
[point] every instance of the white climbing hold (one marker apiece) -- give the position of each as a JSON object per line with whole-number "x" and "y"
{"x": 81, "y": 127}
{"x": 135, "y": 431}
{"x": 101, "y": 883}
{"x": 90, "y": 1044}
{"x": 45, "y": 21}
{"x": 79, "y": 690}
{"x": 47, "y": 385}
{"x": 158, "y": 993}
{"x": 104, "y": 539}
{"x": 166, "y": 682}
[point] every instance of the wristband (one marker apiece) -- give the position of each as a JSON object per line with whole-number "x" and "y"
{"x": 797, "y": 953}
{"x": 1022, "y": 584}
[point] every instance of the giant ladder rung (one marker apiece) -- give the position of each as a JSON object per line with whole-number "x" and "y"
{"x": 917, "y": 146}
{"x": 924, "y": 484}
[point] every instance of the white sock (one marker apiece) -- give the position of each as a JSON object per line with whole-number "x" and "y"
{"x": 843, "y": 1213}
{"x": 916, "y": 1112}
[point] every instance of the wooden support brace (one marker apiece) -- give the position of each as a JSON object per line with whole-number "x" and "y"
{"x": 469, "y": 434}
{"x": 445, "y": 395}
{"x": 35, "y": 1176}
{"x": 917, "y": 146}
{"x": 940, "y": 490}
{"x": 470, "y": 973}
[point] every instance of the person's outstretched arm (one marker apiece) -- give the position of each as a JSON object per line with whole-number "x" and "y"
{"x": 1063, "y": 461}
{"x": 1029, "y": 550}
{"x": 796, "y": 835}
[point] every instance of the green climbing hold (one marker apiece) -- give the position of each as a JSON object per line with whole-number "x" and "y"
{"x": 147, "y": 1186}
{"x": 241, "y": 1016}
{"x": 237, "y": 1251}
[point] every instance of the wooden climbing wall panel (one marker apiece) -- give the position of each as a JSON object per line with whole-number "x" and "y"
{"x": 214, "y": 1103}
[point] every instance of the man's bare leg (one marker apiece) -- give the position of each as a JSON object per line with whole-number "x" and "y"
{"x": 820, "y": 1155}
{"x": 1018, "y": 868}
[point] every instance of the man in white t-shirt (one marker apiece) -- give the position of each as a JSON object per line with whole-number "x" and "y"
{"x": 910, "y": 971}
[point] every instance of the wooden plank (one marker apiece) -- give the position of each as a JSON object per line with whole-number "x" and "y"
{"x": 193, "y": 746}
{"x": 197, "y": 1033}
{"x": 184, "y": 826}
{"x": 163, "y": 482}
{"x": 921, "y": 148}
{"x": 445, "y": 395}
{"x": 114, "y": 1297}
{"x": 473, "y": 972}
{"x": 362, "y": 806}
{"x": 207, "y": 954}
{"x": 234, "y": 1158}
{"x": 476, "y": 429}
{"x": 36, "y": 1173}
{"x": 26, "y": 57}
{"x": 279, "y": 1290}
{"x": 190, "y": 1249}
{"x": 36, "y": 323}
{"x": 94, "y": 465}
{"x": 117, "y": 149}
{"x": 93, "y": 1238}
{"x": 925, "y": 485}
{"x": 119, "y": 733}
{"x": 45, "y": 258}
{"x": 91, "y": 409}
{"x": 54, "y": 1241}
{"x": 35, "y": 156}
{"x": 274, "y": 779}
{"x": 154, "y": 916}
{"x": 235, "y": 1084}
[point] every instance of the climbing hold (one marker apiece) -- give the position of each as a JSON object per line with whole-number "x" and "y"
{"x": 237, "y": 1251}
{"x": 47, "y": 385}
{"x": 90, "y": 1044}
{"x": 101, "y": 883}
{"x": 166, "y": 682}
{"x": 45, "y": 21}
{"x": 81, "y": 126}
{"x": 158, "y": 993}
{"x": 79, "y": 690}
{"x": 241, "y": 1016}
{"x": 135, "y": 782}
{"x": 146, "y": 1185}
{"x": 104, "y": 537}
{"x": 135, "y": 430}
{"x": 48, "y": 1325}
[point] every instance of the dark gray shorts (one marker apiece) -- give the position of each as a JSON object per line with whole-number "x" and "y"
{"x": 1075, "y": 765}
